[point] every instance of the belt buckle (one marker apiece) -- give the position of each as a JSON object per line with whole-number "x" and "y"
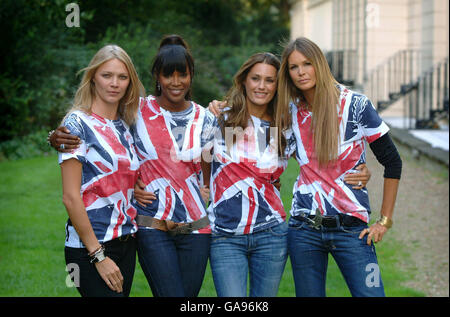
{"x": 317, "y": 220}
{"x": 181, "y": 229}
{"x": 124, "y": 238}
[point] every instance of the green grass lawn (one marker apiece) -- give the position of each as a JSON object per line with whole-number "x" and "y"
{"x": 32, "y": 238}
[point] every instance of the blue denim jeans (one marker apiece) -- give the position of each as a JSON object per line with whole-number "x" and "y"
{"x": 262, "y": 254}
{"x": 309, "y": 249}
{"x": 173, "y": 265}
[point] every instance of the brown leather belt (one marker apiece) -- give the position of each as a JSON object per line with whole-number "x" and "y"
{"x": 171, "y": 227}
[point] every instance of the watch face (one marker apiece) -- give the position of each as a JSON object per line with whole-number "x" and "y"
{"x": 98, "y": 256}
{"x": 101, "y": 257}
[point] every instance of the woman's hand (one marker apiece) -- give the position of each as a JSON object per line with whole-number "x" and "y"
{"x": 375, "y": 233}
{"x": 216, "y": 107}
{"x": 110, "y": 273}
{"x": 277, "y": 184}
{"x": 142, "y": 196}
{"x": 377, "y": 230}
{"x": 62, "y": 136}
{"x": 359, "y": 180}
{"x": 204, "y": 192}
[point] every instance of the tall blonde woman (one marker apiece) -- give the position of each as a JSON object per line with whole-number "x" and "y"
{"x": 98, "y": 177}
{"x": 331, "y": 125}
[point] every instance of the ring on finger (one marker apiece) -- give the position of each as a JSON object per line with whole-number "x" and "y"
{"x": 359, "y": 183}
{"x": 62, "y": 146}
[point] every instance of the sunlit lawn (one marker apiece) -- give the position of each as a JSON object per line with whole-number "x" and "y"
{"x": 32, "y": 238}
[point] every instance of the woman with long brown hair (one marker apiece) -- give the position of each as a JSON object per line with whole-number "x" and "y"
{"x": 331, "y": 125}
{"x": 249, "y": 232}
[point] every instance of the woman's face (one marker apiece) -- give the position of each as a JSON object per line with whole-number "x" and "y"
{"x": 302, "y": 72}
{"x": 260, "y": 84}
{"x": 174, "y": 87}
{"x": 111, "y": 81}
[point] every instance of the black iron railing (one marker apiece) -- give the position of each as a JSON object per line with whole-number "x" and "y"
{"x": 425, "y": 94}
{"x": 343, "y": 65}
{"x": 393, "y": 78}
{"x": 428, "y": 99}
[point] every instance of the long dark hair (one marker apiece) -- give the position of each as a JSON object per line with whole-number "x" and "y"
{"x": 173, "y": 55}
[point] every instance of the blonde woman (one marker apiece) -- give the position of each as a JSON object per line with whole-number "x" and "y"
{"x": 331, "y": 125}
{"x": 99, "y": 175}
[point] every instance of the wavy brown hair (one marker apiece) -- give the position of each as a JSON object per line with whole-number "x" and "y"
{"x": 325, "y": 121}
{"x": 238, "y": 115}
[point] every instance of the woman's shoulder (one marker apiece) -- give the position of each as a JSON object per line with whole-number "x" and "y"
{"x": 353, "y": 99}
{"x": 346, "y": 92}
{"x": 75, "y": 120}
{"x": 75, "y": 116}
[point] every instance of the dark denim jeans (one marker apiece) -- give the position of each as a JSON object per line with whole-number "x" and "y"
{"x": 123, "y": 253}
{"x": 262, "y": 254}
{"x": 174, "y": 265}
{"x": 309, "y": 249}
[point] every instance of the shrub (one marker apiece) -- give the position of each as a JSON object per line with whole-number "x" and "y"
{"x": 31, "y": 145}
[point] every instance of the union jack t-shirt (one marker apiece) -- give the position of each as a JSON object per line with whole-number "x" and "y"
{"x": 109, "y": 172}
{"x": 169, "y": 146}
{"x": 244, "y": 199}
{"x": 324, "y": 188}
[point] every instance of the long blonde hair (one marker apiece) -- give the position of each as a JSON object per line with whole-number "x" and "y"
{"x": 85, "y": 94}
{"x": 238, "y": 115}
{"x": 325, "y": 121}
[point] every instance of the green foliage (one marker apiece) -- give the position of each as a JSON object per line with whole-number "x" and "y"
{"x": 36, "y": 67}
{"x": 43, "y": 55}
{"x": 31, "y": 145}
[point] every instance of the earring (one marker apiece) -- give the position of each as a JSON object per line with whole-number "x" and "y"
{"x": 158, "y": 86}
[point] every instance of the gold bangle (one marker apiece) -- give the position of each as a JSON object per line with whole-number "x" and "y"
{"x": 385, "y": 221}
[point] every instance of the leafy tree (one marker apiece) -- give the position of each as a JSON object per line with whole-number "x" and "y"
{"x": 41, "y": 55}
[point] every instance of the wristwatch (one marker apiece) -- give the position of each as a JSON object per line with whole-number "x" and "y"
{"x": 99, "y": 255}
